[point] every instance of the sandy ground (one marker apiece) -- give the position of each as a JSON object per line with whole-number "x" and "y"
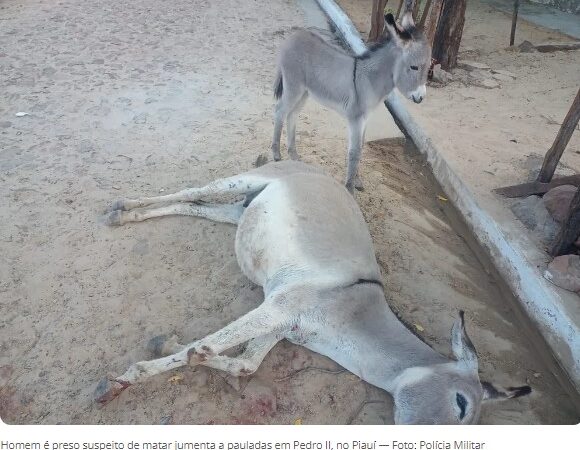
{"x": 133, "y": 98}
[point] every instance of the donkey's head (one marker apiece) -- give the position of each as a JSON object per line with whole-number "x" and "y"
{"x": 449, "y": 393}
{"x": 412, "y": 67}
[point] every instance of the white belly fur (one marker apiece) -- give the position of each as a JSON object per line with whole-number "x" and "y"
{"x": 304, "y": 227}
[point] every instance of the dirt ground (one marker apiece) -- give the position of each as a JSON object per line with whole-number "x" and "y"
{"x": 134, "y": 98}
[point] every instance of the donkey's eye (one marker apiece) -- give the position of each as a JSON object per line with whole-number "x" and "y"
{"x": 414, "y": 68}
{"x": 462, "y": 403}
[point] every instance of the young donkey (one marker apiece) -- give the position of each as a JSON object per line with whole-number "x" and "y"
{"x": 351, "y": 85}
{"x": 303, "y": 238}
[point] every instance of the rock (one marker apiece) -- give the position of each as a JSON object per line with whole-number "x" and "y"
{"x": 261, "y": 160}
{"x": 440, "y": 75}
{"x": 504, "y": 72}
{"x": 557, "y": 201}
{"x": 533, "y": 214}
{"x": 466, "y": 49}
{"x": 501, "y": 77}
{"x": 527, "y": 47}
{"x": 488, "y": 83}
{"x": 472, "y": 65}
{"x": 165, "y": 420}
{"x": 564, "y": 271}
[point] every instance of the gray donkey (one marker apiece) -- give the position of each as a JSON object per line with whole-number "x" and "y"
{"x": 303, "y": 238}
{"x": 351, "y": 85}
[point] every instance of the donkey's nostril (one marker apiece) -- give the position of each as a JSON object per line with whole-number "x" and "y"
{"x": 417, "y": 99}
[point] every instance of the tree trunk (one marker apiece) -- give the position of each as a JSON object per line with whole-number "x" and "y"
{"x": 570, "y": 228}
{"x": 431, "y": 20}
{"x": 398, "y": 14}
{"x": 555, "y": 153}
{"x": 377, "y": 20}
{"x": 448, "y": 35}
{"x": 416, "y": 10}
{"x": 425, "y": 13}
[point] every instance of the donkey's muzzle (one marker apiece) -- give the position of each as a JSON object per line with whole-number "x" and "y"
{"x": 417, "y": 99}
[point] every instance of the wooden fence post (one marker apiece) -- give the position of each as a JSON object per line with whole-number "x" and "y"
{"x": 570, "y": 228}
{"x": 425, "y": 13}
{"x": 431, "y": 20}
{"x": 514, "y": 21}
{"x": 377, "y": 20}
{"x": 399, "y": 9}
{"x": 449, "y": 31}
{"x": 563, "y": 137}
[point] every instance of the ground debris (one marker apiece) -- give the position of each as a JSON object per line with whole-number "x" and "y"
{"x": 564, "y": 271}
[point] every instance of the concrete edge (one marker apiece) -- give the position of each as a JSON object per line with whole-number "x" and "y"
{"x": 538, "y": 298}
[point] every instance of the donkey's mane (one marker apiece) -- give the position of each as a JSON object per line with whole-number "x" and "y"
{"x": 383, "y": 41}
{"x": 410, "y": 33}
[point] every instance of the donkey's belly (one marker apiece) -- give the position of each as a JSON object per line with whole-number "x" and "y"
{"x": 304, "y": 228}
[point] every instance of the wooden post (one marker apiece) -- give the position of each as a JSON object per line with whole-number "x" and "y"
{"x": 377, "y": 20}
{"x": 424, "y": 14}
{"x": 449, "y": 32}
{"x": 570, "y": 230}
{"x": 416, "y": 10}
{"x": 430, "y": 24}
{"x": 399, "y": 9}
{"x": 514, "y": 21}
{"x": 555, "y": 153}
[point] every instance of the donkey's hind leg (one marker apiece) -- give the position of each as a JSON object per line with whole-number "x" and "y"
{"x": 291, "y": 96}
{"x": 218, "y": 213}
{"x": 244, "y": 183}
{"x": 291, "y": 127}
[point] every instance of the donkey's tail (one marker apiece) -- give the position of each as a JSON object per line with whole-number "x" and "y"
{"x": 278, "y": 86}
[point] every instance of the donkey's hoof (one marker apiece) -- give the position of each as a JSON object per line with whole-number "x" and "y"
{"x": 118, "y": 205}
{"x": 358, "y": 184}
{"x": 162, "y": 345}
{"x": 108, "y": 389}
{"x": 113, "y": 219}
{"x": 276, "y": 156}
{"x": 294, "y": 156}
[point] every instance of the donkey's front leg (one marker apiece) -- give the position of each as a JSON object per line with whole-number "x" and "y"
{"x": 243, "y": 364}
{"x": 244, "y": 183}
{"x": 356, "y": 130}
{"x": 261, "y": 321}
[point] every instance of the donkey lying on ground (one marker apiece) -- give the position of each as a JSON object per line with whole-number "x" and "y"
{"x": 303, "y": 238}
{"x": 351, "y": 85}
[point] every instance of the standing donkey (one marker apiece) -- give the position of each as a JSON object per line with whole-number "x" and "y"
{"x": 303, "y": 238}
{"x": 351, "y": 85}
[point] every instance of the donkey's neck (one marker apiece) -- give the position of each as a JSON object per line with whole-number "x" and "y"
{"x": 376, "y": 345}
{"x": 376, "y": 71}
{"x": 397, "y": 349}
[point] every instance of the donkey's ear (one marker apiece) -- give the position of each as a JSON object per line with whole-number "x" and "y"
{"x": 390, "y": 19}
{"x": 392, "y": 29}
{"x": 407, "y": 21}
{"x": 490, "y": 392}
{"x": 461, "y": 345}
{"x": 399, "y": 36}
